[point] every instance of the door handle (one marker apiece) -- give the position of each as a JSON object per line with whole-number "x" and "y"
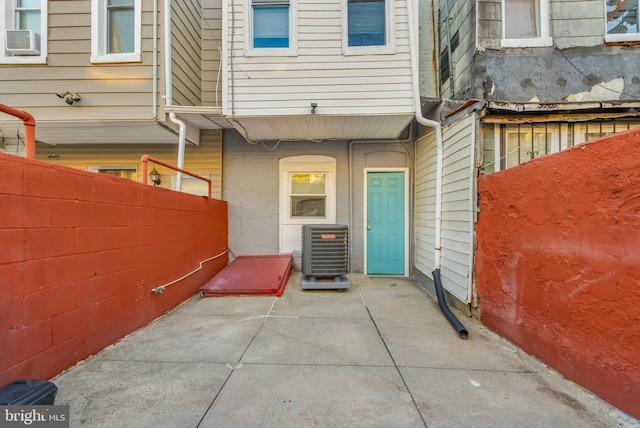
{"x": 368, "y": 227}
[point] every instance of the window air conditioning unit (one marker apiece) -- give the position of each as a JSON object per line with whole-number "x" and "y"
{"x": 22, "y": 42}
{"x": 325, "y": 257}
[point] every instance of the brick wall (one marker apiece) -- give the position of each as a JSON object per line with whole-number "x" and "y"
{"x": 558, "y": 263}
{"x": 79, "y": 255}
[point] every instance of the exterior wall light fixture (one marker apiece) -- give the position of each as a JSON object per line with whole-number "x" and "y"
{"x": 69, "y": 97}
{"x": 155, "y": 177}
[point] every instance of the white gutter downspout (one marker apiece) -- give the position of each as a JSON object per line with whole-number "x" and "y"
{"x": 154, "y": 84}
{"x": 413, "y": 52}
{"x": 182, "y": 134}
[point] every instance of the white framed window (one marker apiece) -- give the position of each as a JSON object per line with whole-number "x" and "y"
{"x": 128, "y": 172}
{"x": 272, "y": 28}
{"x": 506, "y": 146}
{"x": 525, "y": 23}
{"x": 23, "y": 32}
{"x": 307, "y": 196}
{"x": 621, "y": 20}
{"x": 368, "y": 27}
{"x": 115, "y": 30}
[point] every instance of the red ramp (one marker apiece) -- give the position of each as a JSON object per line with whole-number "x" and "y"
{"x": 261, "y": 275}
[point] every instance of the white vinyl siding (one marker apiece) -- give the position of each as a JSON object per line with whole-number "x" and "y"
{"x": 340, "y": 85}
{"x": 458, "y": 202}
{"x": 425, "y": 202}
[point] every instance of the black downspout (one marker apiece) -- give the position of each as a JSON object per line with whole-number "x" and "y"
{"x": 462, "y": 332}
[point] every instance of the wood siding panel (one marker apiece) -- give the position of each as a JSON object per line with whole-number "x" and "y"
{"x": 573, "y": 23}
{"x": 462, "y": 25}
{"x": 319, "y": 58}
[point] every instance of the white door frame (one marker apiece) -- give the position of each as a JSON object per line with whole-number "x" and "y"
{"x": 406, "y": 213}
{"x": 290, "y": 229}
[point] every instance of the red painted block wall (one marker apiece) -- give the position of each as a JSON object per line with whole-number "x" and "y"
{"x": 79, "y": 255}
{"x": 558, "y": 263}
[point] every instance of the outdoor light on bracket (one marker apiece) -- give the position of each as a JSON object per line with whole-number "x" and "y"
{"x": 313, "y": 108}
{"x": 69, "y": 97}
{"x": 155, "y": 177}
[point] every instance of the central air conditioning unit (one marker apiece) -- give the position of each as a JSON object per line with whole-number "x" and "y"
{"x": 22, "y": 42}
{"x": 325, "y": 257}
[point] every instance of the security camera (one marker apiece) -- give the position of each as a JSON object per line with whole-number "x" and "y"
{"x": 68, "y": 100}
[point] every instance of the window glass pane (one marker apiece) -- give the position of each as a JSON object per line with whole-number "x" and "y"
{"x": 29, "y": 20}
{"x": 366, "y": 22}
{"x": 29, "y": 4}
{"x": 307, "y": 184}
{"x": 121, "y": 33}
{"x": 271, "y": 26}
{"x": 622, "y": 16}
{"x": 129, "y": 173}
{"x": 489, "y": 149}
{"x": 521, "y": 19}
{"x": 307, "y": 206}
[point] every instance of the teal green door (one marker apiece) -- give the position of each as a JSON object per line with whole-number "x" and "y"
{"x": 385, "y": 223}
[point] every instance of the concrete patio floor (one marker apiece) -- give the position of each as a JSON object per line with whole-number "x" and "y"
{"x": 378, "y": 355}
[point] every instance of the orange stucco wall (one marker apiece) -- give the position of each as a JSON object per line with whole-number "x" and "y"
{"x": 79, "y": 255}
{"x": 558, "y": 263}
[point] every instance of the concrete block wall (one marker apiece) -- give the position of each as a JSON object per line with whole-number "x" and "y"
{"x": 79, "y": 255}
{"x": 558, "y": 266}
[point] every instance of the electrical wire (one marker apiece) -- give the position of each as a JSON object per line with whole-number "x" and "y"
{"x": 635, "y": 97}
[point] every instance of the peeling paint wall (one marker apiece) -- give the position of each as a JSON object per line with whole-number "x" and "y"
{"x": 603, "y": 73}
{"x": 558, "y": 266}
{"x": 578, "y": 67}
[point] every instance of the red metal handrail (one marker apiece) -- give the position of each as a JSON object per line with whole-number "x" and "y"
{"x": 146, "y": 158}
{"x": 29, "y": 129}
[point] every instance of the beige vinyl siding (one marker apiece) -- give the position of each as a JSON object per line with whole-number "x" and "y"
{"x": 205, "y": 160}
{"x": 109, "y": 91}
{"x": 458, "y": 199}
{"x": 339, "y": 84}
{"x": 211, "y": 48}
{"x": 462, "y": 17}
{"x": 186, "y": 20}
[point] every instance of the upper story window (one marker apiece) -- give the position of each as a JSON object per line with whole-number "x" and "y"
{"x": 525, "y": 23}
{"x": 115, "y": 30}
{"x": 622, "y": 20}
{"x": 271, "y": 25}
{"x": 368, "y": 26}
{"x": 23, "y": 31}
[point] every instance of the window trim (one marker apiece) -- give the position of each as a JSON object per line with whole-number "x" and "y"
{"x": 545, "y": 38}
{"x": 618, "y": 38}
{"x": 99, "y": 35}
{"x": 7, "y": 22}
{"x": 292, "y": 50}
{"x": 389, "y": 46}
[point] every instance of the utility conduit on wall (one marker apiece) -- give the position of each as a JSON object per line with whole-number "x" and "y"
{"x": 29, "y": 129}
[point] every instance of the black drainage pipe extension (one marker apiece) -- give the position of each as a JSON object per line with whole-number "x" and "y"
{"x": 462, "y": 332}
